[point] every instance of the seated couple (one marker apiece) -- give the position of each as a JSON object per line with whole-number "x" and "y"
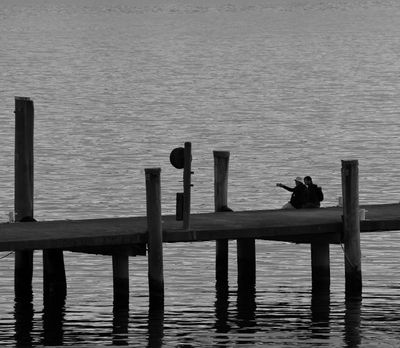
{"x": 304, "y": 195}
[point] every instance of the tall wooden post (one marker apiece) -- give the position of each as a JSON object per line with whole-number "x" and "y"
{"x": 351, "y": 228}
{"x": 187, "y": 173}
{"x": 23, "y": 194}
{"x": 120, "y": 263}
{"x": 320, "y": 267}
{"x": 221, "y": 168}
{"x": 154, "y": 226}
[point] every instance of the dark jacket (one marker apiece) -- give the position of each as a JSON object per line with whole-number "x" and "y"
{"x": 299, "y": 195}
{"x": 313, "y": 196}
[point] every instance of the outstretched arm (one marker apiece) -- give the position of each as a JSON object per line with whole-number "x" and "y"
{"x": 285, "y": 187}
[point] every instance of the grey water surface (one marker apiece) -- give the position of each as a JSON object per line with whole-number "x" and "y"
{"x": 289, "y": 87}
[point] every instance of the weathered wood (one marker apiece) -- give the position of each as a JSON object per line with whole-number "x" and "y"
{"x": 351, "y": 228}
{"x": 320, "y": 267}
{"x": 120, "y": 263}
{"x": 155, "y": 239}
{"x": 298, "y": 226}
{"x": 23, "y": 192}
{"x": 187, "y": 174}
{"x": 221, "y": 169}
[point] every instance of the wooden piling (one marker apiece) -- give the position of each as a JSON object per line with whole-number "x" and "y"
{"x": 351, "y": 228}
{"x": 120, "y": 264}
{"x": 154, "y": 226}
{"x": 187, "y": 173}
{"x": 246, "y": 263}
{"x": 320, "y": 267}
{"x": 23, "y": 193}
{"x": 221, "y": 169}
{"x": 54, "y": 281}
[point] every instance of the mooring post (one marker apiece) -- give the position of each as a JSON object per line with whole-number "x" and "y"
{"x": 23, "y": 192}
{"x": 120, "y": 265}
{"x": 154, "y": 226}
{"x": 351, "y": 228}
{"x": 221, "y": 169}
{"x": 320, "y": 267}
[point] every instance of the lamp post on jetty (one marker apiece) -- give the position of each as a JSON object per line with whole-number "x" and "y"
{"x": 181, "y": 158}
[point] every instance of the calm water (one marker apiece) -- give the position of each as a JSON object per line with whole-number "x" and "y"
{"x": 289, "y": 87}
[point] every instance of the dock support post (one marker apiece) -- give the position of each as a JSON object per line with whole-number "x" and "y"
{"x": 54, "y": 281}
{"x": 120, "y": 264}
{"x": 221, "y": 168}
{"x": 23, "y": 194}
{"x": 351, "y": 228}
{"x": 246, "y": 263}
{"x": 154, "y": 226}
{"x": 320, "y": 267}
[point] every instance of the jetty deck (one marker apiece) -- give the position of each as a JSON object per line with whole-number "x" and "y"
{"x": 299, "y": 226}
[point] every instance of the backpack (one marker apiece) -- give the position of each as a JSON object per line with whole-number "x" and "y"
{"x": 320, "y": 195}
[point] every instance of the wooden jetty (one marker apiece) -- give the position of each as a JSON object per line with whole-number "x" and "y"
{"x": 105, "y": 236}
{"x": 135, "y": 236}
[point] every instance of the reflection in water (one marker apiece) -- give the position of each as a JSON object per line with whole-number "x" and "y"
{"x": 23, "y": 322}
{"x": 155, "y": 327}
{"x": 352, "y": 321}
{"x": 120, "y": 324}
{"x": 246, "y": 307}
{"x": 320, "y": 313}
{"x": 53, "y": 320}
{"x": 221, "y": 307}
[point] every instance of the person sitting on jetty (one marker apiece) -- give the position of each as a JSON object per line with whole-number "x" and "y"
{"x": 299, "y": 192}
{"x": 314, "y": 195}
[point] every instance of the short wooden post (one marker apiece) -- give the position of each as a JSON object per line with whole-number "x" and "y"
{"x": 246, "y": 262}
{"x": 187, "y": 185}
{"x": 351, "y": 228}
{"x": 154, "y": 226}
{"x": 120, "y": 263}
{"x": 54, "y": 281}
{"x": 221, "y": 168}
{"x": 23, "y": 194}
{"x": 320, "y": 267}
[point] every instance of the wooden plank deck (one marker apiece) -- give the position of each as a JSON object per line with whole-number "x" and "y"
{"x": 300, "y": 226}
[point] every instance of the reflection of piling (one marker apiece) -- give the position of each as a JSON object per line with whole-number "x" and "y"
{"x": 352, "y": 321}
{"x": 23, "y": 195}
{"x": 221, "y": 165}
{"x": 351, "y": 228}
{"x": 154, "y": 226}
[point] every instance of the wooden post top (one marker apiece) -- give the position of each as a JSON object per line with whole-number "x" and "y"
{"x": 223, "y": 154}
{"x": 152, "y": 171}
